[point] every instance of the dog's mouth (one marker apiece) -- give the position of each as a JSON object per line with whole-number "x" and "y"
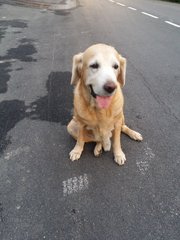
{"x": 101, "y": 101}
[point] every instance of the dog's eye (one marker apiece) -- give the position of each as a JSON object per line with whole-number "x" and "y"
{"x": 94, "y": 66}
{"x": 115, "y": 66}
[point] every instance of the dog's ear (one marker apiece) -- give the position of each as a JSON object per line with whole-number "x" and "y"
{"x": 122, "y": 72}
{"x": 76, "y": 68}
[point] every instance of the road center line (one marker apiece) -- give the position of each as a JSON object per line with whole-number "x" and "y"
{"x": 173, "y": 24}
{"x": 134, "y": 9}
{"x": 145, "y": 13}
{"x": 150, "y": 15}
{"x": 122, "y": 5}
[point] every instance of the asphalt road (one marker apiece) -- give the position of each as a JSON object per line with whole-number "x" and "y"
{"x": 43, "y": 195}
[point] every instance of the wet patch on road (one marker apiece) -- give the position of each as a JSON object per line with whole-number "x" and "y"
{"x": 22, "y": 52}
{"x": 1, "y": 213}
{"x": 4, "y": 142}
{"x": 5, "y": 69}
{"x": 55, "y": 107}
{"x": 62, "y": 12}
{"x": 19, "y": 69}
{"x": 11, "y": 112}
{"x": 16, "y": 23}
{"x": 17, "y": 32}
{"x": 26, "y": 40}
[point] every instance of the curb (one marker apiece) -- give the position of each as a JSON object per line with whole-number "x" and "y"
{"x": 69, "y": 4}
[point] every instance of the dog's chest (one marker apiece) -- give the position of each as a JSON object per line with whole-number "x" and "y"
{"x": 101, "y": 129}
{"x": 100, "y": 121}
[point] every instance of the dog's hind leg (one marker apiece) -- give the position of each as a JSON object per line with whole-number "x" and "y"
{"x": 73, "y": 129}
{"x": 131, "y": 133}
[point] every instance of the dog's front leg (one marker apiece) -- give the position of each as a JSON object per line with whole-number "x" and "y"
{"x": 106, "y": 139}
{"x": 75, "y": 154}
{"x": 119, "y": 156}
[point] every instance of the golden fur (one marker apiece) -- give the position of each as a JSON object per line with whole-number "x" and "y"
{"x": 91, "y": 123}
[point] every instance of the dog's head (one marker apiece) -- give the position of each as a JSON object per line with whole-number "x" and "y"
{"x": 101, "y": 68}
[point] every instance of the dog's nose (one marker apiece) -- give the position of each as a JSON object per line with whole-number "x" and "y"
{"x": 110, "y": 87}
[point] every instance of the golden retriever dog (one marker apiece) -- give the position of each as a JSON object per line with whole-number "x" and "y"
{"x": 98, "y": 75}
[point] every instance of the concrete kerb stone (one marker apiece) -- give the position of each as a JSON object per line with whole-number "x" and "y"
{"x": 47, "y": 4}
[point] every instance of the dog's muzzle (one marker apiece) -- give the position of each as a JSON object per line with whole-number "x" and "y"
{"x": 92, "y": 91}
{"x": 109, "y": 88}
{"x": 101, "y": 101}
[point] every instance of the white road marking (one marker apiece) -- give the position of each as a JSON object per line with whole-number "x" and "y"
{"x": 145, "y": 13}
{"x": 134, "y": 9}
{"x": 150, "y": 15}
{"x": 144, "y": 164}
{"x": 122, "y": 5}
{"x": 173, "y": 24}
{"x": 75, "y": 184}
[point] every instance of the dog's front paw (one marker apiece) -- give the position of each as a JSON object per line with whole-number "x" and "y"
{"x": 120, "y": 158}
{"x": 75, "y": 154}
{"x": 98, "y": 149}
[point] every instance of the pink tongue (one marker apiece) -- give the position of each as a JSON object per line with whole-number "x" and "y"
{"x": 103, "y": 102}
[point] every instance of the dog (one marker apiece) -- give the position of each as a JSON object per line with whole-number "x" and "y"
{"x": 98, "y": 74}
